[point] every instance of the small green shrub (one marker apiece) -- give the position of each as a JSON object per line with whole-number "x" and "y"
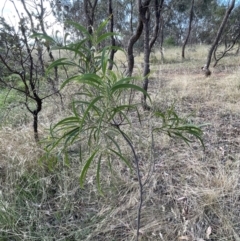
{"x": 170, "y": 41}
{"x": 101, "y": 117}
{"x": 101, "y": 113}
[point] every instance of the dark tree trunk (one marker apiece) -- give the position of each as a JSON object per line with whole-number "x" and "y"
{"x": 35, "y": 118}
{"x": 113, "y": 42}
{"x": 134, "y": 38}
{"x": 219, "y": 34}
{"x": 89, "y": 10}
{"x": 143, "y": 8}
{"x": 189, "y": 29}
{"x": 131, "y": 17}
{"x": 148, "y": 44}
{"x": 158, "y": 5}
{"x": 147, "y": 50}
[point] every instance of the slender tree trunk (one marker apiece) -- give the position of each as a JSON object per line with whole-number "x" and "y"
{"x": 189, "y": 30}
{"x": 158, "y": 5}
{"x": 143, "y": 9}
{"x": 31, "y": 79}
{"x": 148, "y": 44}
{"x": 113, "y": 42}
{"x": 134, "y": 38}
{"x": 161, "y": 30}
{"x": 131, "y": 16}
{"x": 147, "y": 50}
{"x": 219, "y": 34}
{"x": 35, "y": 120}
{"x": 89, "y": 10}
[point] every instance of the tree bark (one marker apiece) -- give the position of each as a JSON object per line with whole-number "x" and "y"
{"x": 158, "y": 5}
{"x": 145, "y": 14}
{"x": 35, "y": 118}
{"x": 89, "y": 10}
{"x": 131, "y": 16}
{"x": 113, "y": 41}
{"x": 134, "y": 38}
{"x": 189, "y": 30}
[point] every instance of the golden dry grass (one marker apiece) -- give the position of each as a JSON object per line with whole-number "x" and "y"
{"x": 192, "y": 194}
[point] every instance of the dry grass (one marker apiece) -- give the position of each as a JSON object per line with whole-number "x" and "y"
{"x": 193, "y": 194}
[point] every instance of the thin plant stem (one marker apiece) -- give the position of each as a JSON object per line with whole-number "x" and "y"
{"x": 139, "y": 180}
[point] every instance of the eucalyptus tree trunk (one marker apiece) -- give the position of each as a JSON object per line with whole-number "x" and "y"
{"x": 146, "y": 70}
{"x": 161, "y": 37}
{"x": 189, "y": 30}
{"x": 219, "y": 34}
{"x": 133, "y": 39}
{"x": 131, "y": 16}
{"x": 113, "y": 42}
{"x": 145, "y": 15}
{"x": 89, "y": 9}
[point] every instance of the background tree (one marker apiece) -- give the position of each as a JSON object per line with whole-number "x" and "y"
{"x": 219, "y": 33}
{"x": 229, "y": 38}
{"x": 189, "y": 29}
{"x": 111, "y": 29}
{"x": 89, "y": 9}
{"x": 145, "y": 16}
{"x": 23, "y": 61}
{"x": 133, "y": 39}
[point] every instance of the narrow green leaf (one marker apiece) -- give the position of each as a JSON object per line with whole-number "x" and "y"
{"x": 92, "y": 133}
{"x": 99, "y": 124}
{"x": 104, "y": 61}
{"x": 73, "y": 49}
{"x": 102, "y": 26}
{"x": 105, "y": 36}
{"x": 98, "y": 176}
{"x": 86, "y": 167}
{"x": 90, "y": 79}
{"x": 121, "y": 157}
{"x": 98, "y": 110}
{"x": 124, "y": 81}
{"x": 129, "y": 86}
{"x": 60, "y": 62}
{"x": 88, "y": 109}
{"x": 66, "y": 159}
{"x": 68, "y": 120}
{"x": 71, "y": 135}
{"x": 114, "y": 142}
{"x": 43, "y": 36}
{"x": 80, "y": 28}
